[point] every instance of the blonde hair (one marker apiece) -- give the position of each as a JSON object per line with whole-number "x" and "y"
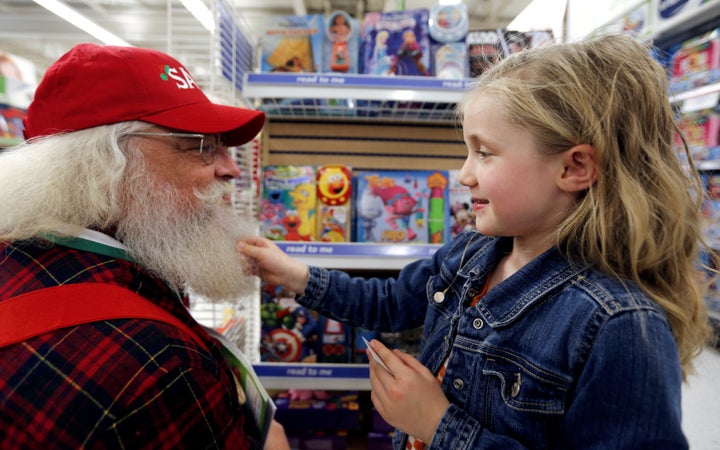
{"x": 641, "y": 220}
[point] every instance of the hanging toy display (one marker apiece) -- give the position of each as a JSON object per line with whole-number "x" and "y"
{"x": 339, "y": 31}
{"x": 448, "y": 26}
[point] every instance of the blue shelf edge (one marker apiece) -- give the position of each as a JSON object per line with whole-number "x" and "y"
{"x": 358, "y": 81}
{"x": 358, "y": 249}
{"x": 309, "y": 370}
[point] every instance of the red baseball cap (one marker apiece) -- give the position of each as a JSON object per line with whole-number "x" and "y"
{"x": 94, "y": 85}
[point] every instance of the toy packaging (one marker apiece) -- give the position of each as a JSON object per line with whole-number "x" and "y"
{"x": 11, "y": 122}
{"x": 517, "y": 41}
{"x": 401, "y": 206}
{"x": 334, "y": 194}
{"x": 450, "y": 60}
{"x": 335, "y": 341}
{"x": 396, "y": 43}
{"x": 293, "y": 333}
{"x": 289, "y": 332}
{"x": 288, "y": 203}
{"x": 702, "y": 134}
{"x": 483, "y": 50}
{"x": 341, "y": 43}
{"x": 697, "y": 62}
{"x": 448, "y": 25}
{"x": 301, "y": 410}
{"x": 293, "y": 44}
{"x": 711, "y": 207}
{"x": 461, "y": 216}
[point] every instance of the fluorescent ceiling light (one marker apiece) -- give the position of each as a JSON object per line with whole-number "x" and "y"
{"x": 62, "y": 10}
{"x": 201, "y": 12}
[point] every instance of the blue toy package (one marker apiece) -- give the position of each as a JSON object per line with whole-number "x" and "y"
{"x": 448, "y": 26}
{"x": 396, "y": 43}
{"x": 401, "y": 206}
{"x": 293, "y": 44}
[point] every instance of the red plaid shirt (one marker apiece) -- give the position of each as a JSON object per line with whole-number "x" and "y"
{"x": 126, "y": 383}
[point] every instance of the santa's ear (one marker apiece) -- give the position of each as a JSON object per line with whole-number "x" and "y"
{"x": 579, "y": 170}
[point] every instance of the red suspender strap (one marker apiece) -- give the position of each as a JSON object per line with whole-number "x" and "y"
{"x": 49, "y": 309}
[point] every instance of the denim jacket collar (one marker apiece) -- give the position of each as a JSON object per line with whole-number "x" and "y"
{"x": 508, "y": 301}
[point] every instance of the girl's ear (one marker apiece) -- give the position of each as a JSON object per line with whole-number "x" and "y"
{"x": 579, "y": 168}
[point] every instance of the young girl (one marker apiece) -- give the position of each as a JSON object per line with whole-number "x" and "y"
{"x": 570, "y": 318}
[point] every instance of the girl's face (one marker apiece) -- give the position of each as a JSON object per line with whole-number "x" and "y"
{"x": 514, "y": 188}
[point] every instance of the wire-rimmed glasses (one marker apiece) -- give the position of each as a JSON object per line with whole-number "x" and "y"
{"x": 209, "y": 145}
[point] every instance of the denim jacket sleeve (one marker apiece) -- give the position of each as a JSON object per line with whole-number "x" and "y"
{"x": 392, "y": 304}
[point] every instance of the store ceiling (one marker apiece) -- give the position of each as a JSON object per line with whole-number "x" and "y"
{"x": 30, "y": 31}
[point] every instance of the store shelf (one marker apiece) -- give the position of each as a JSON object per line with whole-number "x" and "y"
{"x": 707, "y": 165}
{"x": 364, "y": 97}
{"x": 313, "y": 376}
{"x": 686, "y": 21}
{"x": 697, "y": 91}
{"x": 357, "y": 256}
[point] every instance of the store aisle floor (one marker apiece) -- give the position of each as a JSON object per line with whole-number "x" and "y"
{"x": 701, "y": 403}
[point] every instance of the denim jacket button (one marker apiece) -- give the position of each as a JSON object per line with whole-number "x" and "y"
{"x": 478, "y": 323}
{"x": 458, "y": 384}
{"x": 439, "y": 297}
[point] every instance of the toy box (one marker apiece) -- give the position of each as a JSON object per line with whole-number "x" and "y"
{"x": 326, "y": 411}
{"x": 293, "y": 44}
{"x": 711, "y": 207}
{"x": 461, "y": 216}
{"x": 483, "y": 50}
{"x": 448, "y": 25}
{"x": 702, "y": 134}
{"x": 289, "y": 332}
{"x": 401, "y": 206}
{"x": 293, "y": 333}
{"x": 396, "y": 43}
{"x": 11, "y": 122}
{"x": 517, "y": 41}
{"x": 450, "y": 60}
{"x": 696, "y": 62}
{"x": 335, "y": 341}
{"x": 334, "y": 194}
{"x": 288, "y": 203}
{"x": 341, "y": 43}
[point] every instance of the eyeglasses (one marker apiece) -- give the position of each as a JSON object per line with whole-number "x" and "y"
{"x": 209, "y": 145}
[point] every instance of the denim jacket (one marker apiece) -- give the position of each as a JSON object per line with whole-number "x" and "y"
{"x": 557, "y": 356}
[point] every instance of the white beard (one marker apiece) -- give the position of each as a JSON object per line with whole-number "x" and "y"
{"x": 190, "y": 246}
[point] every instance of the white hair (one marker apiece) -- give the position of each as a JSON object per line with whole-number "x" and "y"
{"x": 62, "y": 183}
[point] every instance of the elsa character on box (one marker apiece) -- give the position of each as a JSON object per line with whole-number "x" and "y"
{"x": 383, "y": 61}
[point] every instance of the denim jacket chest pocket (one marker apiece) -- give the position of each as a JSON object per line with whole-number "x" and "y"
{"x": 507, "y": 394}
{"x": 515, "y": 385}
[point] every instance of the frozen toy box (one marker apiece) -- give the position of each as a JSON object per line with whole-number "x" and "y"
{"x": 396, "y": 43}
